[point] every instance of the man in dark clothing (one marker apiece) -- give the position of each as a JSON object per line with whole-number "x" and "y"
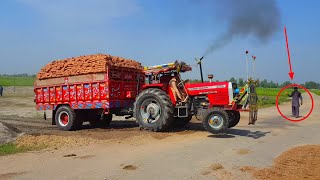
{"x": 1, "y": 90}
{"x": 296, "y": 95}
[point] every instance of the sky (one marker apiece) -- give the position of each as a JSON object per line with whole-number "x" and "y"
{"x": 36, "y": 32}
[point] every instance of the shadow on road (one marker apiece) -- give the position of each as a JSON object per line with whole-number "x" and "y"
{"x": 231, "y": 133}
{"x": 192, "y": 127}
{"x": 247, "y": 133}
{"x": 222, "y": 136}
{"x": 125, "y": 124}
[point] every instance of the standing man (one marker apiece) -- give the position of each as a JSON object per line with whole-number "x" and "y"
{"x": 296, "y": 95}
{"x": 1, "y": 90}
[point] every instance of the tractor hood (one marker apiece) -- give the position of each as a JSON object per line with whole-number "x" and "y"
{"x": 218, "y": 89}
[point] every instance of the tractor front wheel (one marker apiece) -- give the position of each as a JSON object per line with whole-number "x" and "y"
{"x": 153, "y": 110}
{"x": 234, "y": 118}
{"x": 215, "y": 120}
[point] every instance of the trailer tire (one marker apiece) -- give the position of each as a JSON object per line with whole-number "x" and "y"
{"x": 153, "y": 105}
{"x": 66, "y": 119}
{"x": 97, "y": 121}
{"x": 215, "y": 120}
{"x": 181, "y": 122}
{"x": 234, "y": 118}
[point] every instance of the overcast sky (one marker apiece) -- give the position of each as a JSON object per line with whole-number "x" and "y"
{"x": 35, "y": 32}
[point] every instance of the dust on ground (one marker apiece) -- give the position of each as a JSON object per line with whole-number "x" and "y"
{"x": 130, "y": 167}
{"x": 218, "y": 171}
{"x": 8, "y": 133}
{"x": 85, "y": 157}
{"x": 243, "y": 151}
{"x": 11, "y": 175}
{"x": 297, "y": 163}
{"x": 19, "y": 119}
{"x": 216, "y": 166}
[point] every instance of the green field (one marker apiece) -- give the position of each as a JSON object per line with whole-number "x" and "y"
{"x": 315, "y": 91}
{"x": 12, "y": 148}
{"x": 16, "y": 80}
{"x": 267, "y": 96}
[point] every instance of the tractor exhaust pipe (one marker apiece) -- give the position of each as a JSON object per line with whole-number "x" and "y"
{"x": 199, "y": 62}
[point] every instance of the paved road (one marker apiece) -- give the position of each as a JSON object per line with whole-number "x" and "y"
{"x": 180, "y": 156}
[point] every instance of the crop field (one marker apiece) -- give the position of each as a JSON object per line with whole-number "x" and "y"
{"x": 315, "y": 91}
{"x": 16, "y": 80}
{"x": 267, "y": 96}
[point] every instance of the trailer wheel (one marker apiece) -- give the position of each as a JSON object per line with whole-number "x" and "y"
{"x": 215, "y": 120}
{"x": 234, "y": 118}
{"x": 97, "y": 121}
{"x": 153, "y": 110}
{"x": 181, "y": 122}
{"x": 66, "y": 119}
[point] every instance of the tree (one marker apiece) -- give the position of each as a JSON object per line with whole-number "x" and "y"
{"x": 240, "y": 82}
{"x": 233, "y": 80}
{"x": 285, "y": 84}
{"x": 311, "y": 85}
{"x": 264, "y": 83}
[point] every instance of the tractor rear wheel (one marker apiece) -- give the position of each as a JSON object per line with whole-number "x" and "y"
{"x": 234, "y": 118}
{"x": 153, "y": 110}
{"x": 181, "y": 122}
{"x": 215, "y": 120}
{"x": 66, "y": 119}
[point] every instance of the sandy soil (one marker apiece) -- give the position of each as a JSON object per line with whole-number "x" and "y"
{"x": 123, "y": 151}
{"x": 297, "y": 163}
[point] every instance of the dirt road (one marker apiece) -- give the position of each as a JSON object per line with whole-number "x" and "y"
{"x": 124, "y": 152}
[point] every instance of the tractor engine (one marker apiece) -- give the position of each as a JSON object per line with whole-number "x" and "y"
{"x": 214, "y": 93}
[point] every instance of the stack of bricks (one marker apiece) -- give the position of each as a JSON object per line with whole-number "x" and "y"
{"x": 89, "y": 64}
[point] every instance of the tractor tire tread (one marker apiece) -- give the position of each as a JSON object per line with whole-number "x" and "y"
{"x": 233, "y": 122}
{"x": 167, "y": 115}
{"x": 75, "y": 123}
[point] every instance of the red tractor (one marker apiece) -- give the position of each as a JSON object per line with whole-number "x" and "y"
{"x": 157, "y": 97}
{"x": 157, "y": 107}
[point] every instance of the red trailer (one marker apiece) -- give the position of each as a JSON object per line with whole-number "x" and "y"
{"x": 90, "y": 97}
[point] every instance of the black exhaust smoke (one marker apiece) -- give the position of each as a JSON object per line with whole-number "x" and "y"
{"x": 258, "y": 18}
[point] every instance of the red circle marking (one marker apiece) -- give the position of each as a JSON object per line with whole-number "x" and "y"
{"x": 301, "y": 87}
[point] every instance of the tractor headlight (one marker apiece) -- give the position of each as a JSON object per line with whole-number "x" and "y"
{"x": 204, "y": 104}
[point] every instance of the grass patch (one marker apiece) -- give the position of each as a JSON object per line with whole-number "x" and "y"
{"x": 11, "y": 148}
{"x": 16, "y": 80}
{"x": 272, "y": 91}
{"x": 267, "y": 96}
{"x": 269, "y": 101}
{"x": 315, "y": 91}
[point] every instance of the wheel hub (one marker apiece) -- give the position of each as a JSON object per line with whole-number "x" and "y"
{"x": 215, "y": 121}
{"x": 151, "y": 111}
{"x": 63, "y": 119}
